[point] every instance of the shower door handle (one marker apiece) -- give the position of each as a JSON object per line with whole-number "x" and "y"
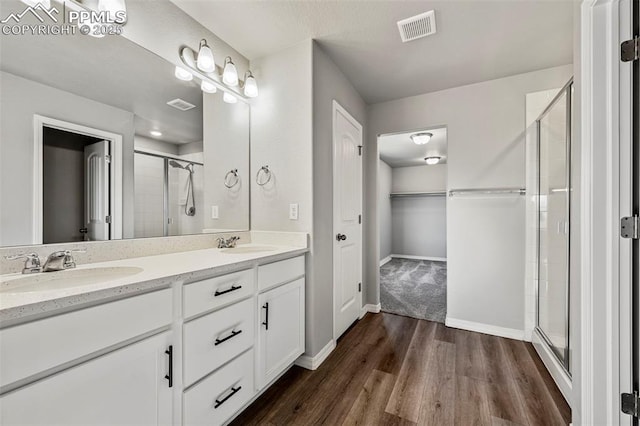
{"x": 341, "y": 237}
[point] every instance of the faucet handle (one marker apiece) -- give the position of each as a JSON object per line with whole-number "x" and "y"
{"x": 32, "y": 262}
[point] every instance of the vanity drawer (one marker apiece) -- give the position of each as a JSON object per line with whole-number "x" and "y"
{"x": 214, "y": 339}
{"x": 34, "y": 347}
{"x": 221, "y": 395}
{"x": 218, "y": 291}
{"x": 281, "y": 272}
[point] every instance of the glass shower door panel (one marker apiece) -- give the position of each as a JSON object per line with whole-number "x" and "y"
{"x": 553, "y": 266}
{"x": 149, "y": 196}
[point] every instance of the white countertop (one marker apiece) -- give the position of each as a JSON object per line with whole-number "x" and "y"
{"x": 158, "y": 272}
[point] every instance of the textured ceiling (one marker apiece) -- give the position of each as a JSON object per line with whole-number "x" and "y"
{"x": 399, "y": 150}
{"x": 477, "y": 40}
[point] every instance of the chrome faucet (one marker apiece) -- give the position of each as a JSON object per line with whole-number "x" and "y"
{"x": 32, "y": 262}
{"x": 228, "y": 243}
{"x": 60, "y": 260}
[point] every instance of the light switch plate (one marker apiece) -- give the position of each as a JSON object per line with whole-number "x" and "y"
{"x": 293, "y": 211}
{"x": 214, "y": 212}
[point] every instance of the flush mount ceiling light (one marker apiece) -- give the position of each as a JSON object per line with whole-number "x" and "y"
{"x": 229, "y": 98}
{"x": 250, "y": 85}
{"x": 205, "y": 60}
{"x": 155, "y": 133}
{"x": 229, "y": 74}
{"x": 422, "y": 138}
{"x": 208, "y": 87}
{"x": 182, "y": 74}
{"x": 432, "y": 160}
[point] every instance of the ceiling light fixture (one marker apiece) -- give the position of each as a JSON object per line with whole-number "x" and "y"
{"x": 155, "y": 133}
{"x": 432, "y": 160}
{"x": 250, "y": 85}
{"x": 208, "y": 87}
{"x": 182, "y": 74}
{"x": 205, "y": 60}
{"x": 229, "y": 98}
{"x": 421, "y": 138}
{"x": 229, "y": 74}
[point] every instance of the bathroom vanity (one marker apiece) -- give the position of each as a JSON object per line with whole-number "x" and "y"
{"x": 190, "y": 338}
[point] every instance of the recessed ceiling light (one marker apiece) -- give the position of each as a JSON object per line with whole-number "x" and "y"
{"x": 432, "y": 160}
{"x": 156, "y": 133}
{"x": 421, "y": 138}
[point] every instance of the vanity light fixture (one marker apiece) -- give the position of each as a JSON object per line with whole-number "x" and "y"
{"x": 208, "y": 87}
{"x": 432, "y": 160}
{"x": 205, "y": 61}
{"x": 229, "y": 73}
{"x": 250, "y": 85}
{"x": 229, "y": 98}
{"x": 421, "y": 138}
{"x": 182, "y": 74}
{"x": 155, "y": 133}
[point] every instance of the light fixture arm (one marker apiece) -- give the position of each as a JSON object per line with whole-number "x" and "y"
{"x": 188, "y": 59}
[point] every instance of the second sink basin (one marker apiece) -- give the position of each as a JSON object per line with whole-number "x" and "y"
{"x": 247, "y": 249}
{"x": 66, "y": 279}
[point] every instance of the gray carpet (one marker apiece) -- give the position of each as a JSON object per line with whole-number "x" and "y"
{"x": 414, "y": 288}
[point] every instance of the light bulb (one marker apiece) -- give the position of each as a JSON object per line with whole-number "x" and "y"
{"x": 205, "y": 60}
{"x": 229, "y": 98}
{"x": 230, "y": 74}
{"x": 250, "y": 85}
{"x": 208, "y": 87}
{"x": 421, "y": 138}
{"x": 432, "y": 160}
{"x": 182, "y": 74}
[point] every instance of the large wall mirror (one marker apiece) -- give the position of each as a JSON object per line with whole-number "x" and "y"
{"x": 99, "y": 141}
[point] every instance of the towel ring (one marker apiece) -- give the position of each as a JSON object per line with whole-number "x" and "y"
{"x": 264, "y": 170}
{"x": 231, "y": 179}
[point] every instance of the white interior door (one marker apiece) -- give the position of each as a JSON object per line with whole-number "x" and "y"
{"x": 347, "y": 211}
{"x": 96, "y": 188}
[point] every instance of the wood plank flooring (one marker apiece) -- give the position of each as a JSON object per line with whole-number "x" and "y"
{"x": 394, "y": 370}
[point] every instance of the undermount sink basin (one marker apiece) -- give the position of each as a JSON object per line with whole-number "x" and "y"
{"x": 247, "y": 249}
{"x": 47, "y": 281}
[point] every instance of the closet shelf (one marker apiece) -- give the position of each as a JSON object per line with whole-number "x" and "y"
{"x": 417, "y": 194}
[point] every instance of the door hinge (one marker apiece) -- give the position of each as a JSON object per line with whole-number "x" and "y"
{"x": 630, "y": 50}
{"x": 359, "y": 287}
{"x": 359, "y": 149}
{"x": 629, "y": 227}
{"x": 107, "y": 158}
{"x": 629, "y": 403}
{"x": 107, "y": 219}
{"x": 360, "y": 218}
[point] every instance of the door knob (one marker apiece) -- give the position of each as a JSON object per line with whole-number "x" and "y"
{"x": 341, "y": 237}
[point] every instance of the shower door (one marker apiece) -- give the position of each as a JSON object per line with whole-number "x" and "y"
{"x": 554, "y": 189}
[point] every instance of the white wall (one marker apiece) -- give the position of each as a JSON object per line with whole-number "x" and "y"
{"x": 485, "y": 129}
{"x": 419, "y": 227}
{"x": 20, "y": 100}
{"x": 420, "y": 178}
{"x": 384, "y": 208}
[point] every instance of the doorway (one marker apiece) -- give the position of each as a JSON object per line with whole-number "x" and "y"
{"x": 412, "y": 203}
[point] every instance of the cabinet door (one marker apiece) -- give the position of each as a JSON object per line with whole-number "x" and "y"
{"x": 281, "y": 337}
{"x": 127, "y": 386}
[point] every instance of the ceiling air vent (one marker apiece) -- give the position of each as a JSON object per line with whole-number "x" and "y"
{"x": 417, "y": 26}
{"x": 180, "y": 104}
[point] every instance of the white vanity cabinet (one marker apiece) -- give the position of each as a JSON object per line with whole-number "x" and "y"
{"x": 127, "y": 386}
{"x": 281, "y": 336}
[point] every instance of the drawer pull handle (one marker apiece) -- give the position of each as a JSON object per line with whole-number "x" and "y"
{"x": 266, "y": 315}
{"x": 231, "y": 336}
{"x": 229, "y": 290}
{"x": 169, "y": 376}
{"x": 219, "y": 402}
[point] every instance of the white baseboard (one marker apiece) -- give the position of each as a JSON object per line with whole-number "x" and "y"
{"x": 408, "y": 256}
{"x": 385, "y": 261}
{"x": 374, "y": 309}
{"x": 312, "y": 363}
{"x": 553, "y": 366}
{"x": 510, "y": 333}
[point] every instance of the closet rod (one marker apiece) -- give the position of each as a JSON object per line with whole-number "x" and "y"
{"x": 485, "y": 191}
{"x": 417, "y": 194}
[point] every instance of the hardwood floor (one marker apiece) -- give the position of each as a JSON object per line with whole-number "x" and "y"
{"x": 394, "y": 370}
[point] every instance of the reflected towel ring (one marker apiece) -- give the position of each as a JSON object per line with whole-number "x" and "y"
{"x": 231, "y": 179}
{"x": 264, "y": 170}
